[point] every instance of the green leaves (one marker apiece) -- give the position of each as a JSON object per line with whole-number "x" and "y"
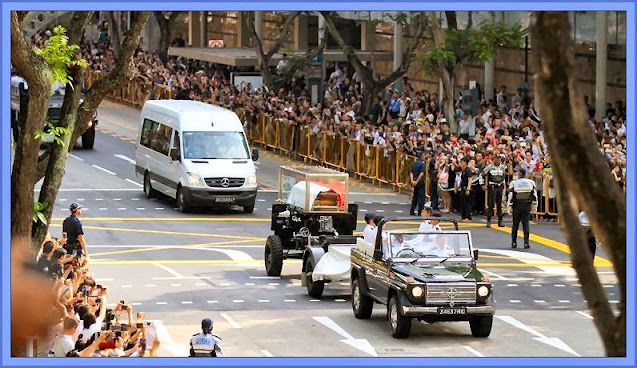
{"x": 56, "y": 132}
{"x": 60, "y": 56}
{"x": 37, "y": 212}
{"x": 470, "y": 44}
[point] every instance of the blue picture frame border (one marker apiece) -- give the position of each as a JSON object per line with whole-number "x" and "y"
{"x": 375, "y": 5}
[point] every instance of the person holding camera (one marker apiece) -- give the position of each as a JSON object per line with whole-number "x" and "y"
{"x": 205, "y": 344}
{"x": 72, "y": 226}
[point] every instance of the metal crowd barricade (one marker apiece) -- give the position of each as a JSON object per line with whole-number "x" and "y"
{"x": 304, "y": 143}
{"x": 286, "y": 136}
{"x": 270, "y": 132}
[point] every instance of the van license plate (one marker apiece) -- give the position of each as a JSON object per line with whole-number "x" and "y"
{"x": 224, "y": 200}
{"x": 452, "y": 311}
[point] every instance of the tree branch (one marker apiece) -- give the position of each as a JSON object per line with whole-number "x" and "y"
{"x": 285, "y": 31}
{"x": 408, "y": 55}
{"x": 575, "y": 155}
{"x": 249, "y": 22}
{"x": 353, "y": 59}
{"x": 123, "y": 71}
{"x": 22, "y": 15}
{"x": 452, "y": 21}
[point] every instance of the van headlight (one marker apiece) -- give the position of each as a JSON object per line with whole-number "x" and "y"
{"x": 483, "y": 291}
{"x": 251, "y": 181}
{"x": 194, "y": 179}
{"x": 417, "y": 291}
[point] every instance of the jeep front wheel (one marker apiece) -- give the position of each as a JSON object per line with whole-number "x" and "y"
{"x": 481, "y": 326}
{"x": 400, "y": 324}
{"x": 361, "y": 303}
{"x": 273, "y": 255}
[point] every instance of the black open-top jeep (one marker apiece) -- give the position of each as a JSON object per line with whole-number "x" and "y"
{"x": 428, "y": 275}
{"x": 312, "y": 213}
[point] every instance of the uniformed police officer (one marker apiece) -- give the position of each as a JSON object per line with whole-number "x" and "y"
{"x": 205, "y": 344}
{"x": 493, "y": 175}
{"x": 369, "y": 233}
{"x": 72, "y": 226}
{"x": 523, "y": 198}
{"x": 590, "y": 237}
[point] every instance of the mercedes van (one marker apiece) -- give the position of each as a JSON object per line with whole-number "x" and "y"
{"x": 196, "y": 153}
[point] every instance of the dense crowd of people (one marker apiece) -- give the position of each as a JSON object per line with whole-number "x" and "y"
{"x": 402, "y": 120}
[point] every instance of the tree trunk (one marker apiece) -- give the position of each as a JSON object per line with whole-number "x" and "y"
{"x": 165, "y": 26}
{"x": 114, "y": 29}
{"x": 58, "y": 153}
{"x": 448, "y": 83}
{"x": 39, "y": 78}
{"x": 575, "y": 155}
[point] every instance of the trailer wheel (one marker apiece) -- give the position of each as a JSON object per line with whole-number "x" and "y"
{"x": 273, "y": 255}
{"x": 314, "y": 288}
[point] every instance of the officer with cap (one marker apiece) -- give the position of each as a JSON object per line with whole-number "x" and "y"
{"x": 369, "y": 233}
{"x": 523, "y": 198}
{"x": 493, "y": 175}
{"x": 72, "y": 226}
{"x": 205, "y": 344}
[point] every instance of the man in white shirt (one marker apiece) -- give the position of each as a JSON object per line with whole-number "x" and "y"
{"x": 429, "y": 225}
{"x": 65, "y": 342}
{"x": 369, "y": 233}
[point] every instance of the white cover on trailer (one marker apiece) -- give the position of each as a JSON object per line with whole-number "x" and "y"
{"x": 335, "y": 265}
{"x": 297, "y": 194}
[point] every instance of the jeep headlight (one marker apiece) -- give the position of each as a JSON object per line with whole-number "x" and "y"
{"x": 194, "y": 179}
{"x": 483, "y": 291}
{"x": 417, "y": 292}
{"x": 251, "y": 181}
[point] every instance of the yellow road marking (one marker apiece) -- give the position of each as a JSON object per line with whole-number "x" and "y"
{"x": 120, "y": 125}
{"x": 169, "y": 232}
{"x": 201, "y": 245}
{"x": 599, "y": 261}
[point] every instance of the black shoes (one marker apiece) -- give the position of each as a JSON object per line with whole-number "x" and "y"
{"x": 489, "y": 223}
{"x": 514, "y": 245}
{"x": 527, "y": 246}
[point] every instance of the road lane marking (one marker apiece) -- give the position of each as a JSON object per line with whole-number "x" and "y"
{"x": 151, "y": 285}
{"x": 315, "y": 300}
{"x": 536, "y": 285}
{"x": 212, "y": 301}
{"x": 267, "y": 353}
{"x": 515, "y": 301}
{"x": 134, "y": 182}
{"x": 584, "y": 314}
{"x": 474, "y": 351}
{"x": 126, "y": 158}
{"x": 159, "y": 208}
{"x": 175, "y": 285}
{"x": 76, "y": 157}
{"x": 117, "y": 199}
{"x": 183, "y": 278}
{"x": 249, "y": 284}
{"x": 135, "y": 199}
{"x": 238, "y": 301}
{"x": 552, "y": 341}
{"x": 161, "y": 303}
{"x": 231, "y": 321}
{"x": 599, "y": 261}
{"x": 265, "y": 277}
{"x": 103, "y": 209}
{"x": 564, "y": 301}
{"x": 186, "y": 302}
{"x": 264, "y": 301}
{"x": 104, "y": 170}
{"x": 136, "y": 304}
{"x": 99, "y": 199}
{"x": 512, "y": 285}
{"x": 559, "y": 285}
{"x": 127, "y": 286}
{"x": 169, "y": 270}
{"x": 235, "y": 255}
{"x": 360, "y": 344}
{"x": 273, "y": 284}
{"x": 539, "y": 301}
{"x": 121, "y": 208}
{"x": 140, "y": 208}
{"x": 290, "y": 300}
{"x": 339, "y": 300}
{"x": 497, "y": 277}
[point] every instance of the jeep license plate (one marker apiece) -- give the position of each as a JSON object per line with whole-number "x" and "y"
{"x": 452, "y": 311}
{"x": 224, "y": 200}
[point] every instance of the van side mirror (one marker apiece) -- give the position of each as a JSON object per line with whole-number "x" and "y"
{"x": 255, "y": 154}
{"x": 475, "y": 254}
{"x": 174, "y": 154}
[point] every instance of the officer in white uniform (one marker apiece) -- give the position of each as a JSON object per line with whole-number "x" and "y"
{"x": 369, "y": 233}
{"x": 205, "y": 344}
{"x": 523, "y": 198}
{"x": 429, "y": 225}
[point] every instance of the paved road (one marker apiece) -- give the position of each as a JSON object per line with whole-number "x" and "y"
{"x": 180, "y": 268}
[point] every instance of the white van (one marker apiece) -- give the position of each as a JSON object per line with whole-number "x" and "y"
{"x": 196, "y": 153}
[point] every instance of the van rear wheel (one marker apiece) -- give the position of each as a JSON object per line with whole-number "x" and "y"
{"x": 148, "y": 188}
{"x": 248, "y": 209}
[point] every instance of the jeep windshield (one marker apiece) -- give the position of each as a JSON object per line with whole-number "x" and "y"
{"x": 428, "y": 245}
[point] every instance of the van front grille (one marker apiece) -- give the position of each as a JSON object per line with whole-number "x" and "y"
{"x": 229, "y": 182}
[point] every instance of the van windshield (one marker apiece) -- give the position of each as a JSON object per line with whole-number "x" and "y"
{"x": 215, "y": 145}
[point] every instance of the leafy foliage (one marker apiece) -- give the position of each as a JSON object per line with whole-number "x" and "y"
{"x": 60, "y": 56}
{"x": 470, "y": 44}
{"x": 58, "y": 133}
{"x": 37, "y": 212}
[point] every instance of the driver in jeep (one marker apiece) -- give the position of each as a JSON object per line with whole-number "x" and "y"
{"x": 441, "y": 248}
